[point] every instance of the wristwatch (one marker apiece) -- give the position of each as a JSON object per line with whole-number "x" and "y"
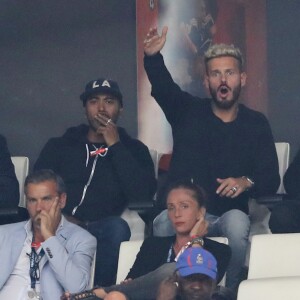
{"x": 197, "y": 240}
{"x": 249, "y": 180}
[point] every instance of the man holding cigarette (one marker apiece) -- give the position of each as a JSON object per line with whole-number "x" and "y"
{"x": 104, "y": 169}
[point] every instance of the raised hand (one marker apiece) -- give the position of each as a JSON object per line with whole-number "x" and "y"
{"x": 200, "y": 228}
{"x": 49, "y": 220}
{"x": 154, "y": 42}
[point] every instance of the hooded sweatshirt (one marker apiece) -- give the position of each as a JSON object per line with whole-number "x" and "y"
{"x": 99, "y": 185}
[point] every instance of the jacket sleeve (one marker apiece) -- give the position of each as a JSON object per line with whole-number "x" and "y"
{"x": 291, "y": 178}
{"x": 221, "y": 252}
{"x": 9, "y": 186}
{"x": 71, "y": 264}
{"x": 48, "y": 159}
{"x": 145, "y": 260}
{"x": 265, "y": 163}
{"x": 166, "y": 92}
{"x": 135, "y": 170}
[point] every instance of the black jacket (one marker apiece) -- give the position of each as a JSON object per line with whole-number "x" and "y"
{"x": 206, "y": 148}
{"x": 291, "y": 178}
{"x": 125, "y": 174}
{"x": 154, "y": 253}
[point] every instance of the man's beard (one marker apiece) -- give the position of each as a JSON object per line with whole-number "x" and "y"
{"x": 93, "y": 124}
{"x": 226, "y": 104}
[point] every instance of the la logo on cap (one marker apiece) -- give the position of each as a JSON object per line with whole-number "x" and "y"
{"x": 104, "y": 83}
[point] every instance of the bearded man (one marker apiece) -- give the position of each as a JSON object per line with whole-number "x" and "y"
{"x": 220, "y": 144}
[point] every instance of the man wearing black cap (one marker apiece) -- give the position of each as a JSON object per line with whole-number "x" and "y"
{"x": 104, "y": 169}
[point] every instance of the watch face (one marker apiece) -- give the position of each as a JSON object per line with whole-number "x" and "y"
{"x": 250, "y": 180}
{"x": 198, "y": 241}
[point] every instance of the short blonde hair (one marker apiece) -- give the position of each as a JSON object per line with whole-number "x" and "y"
{"x": 220, "y": 50}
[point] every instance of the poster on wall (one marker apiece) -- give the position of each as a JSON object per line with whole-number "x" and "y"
{"x": 193, "y": 26}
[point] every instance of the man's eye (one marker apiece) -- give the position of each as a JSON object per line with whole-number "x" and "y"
{"x": 48, "y": 199}
{"x": 92, "y": 101}
{"x": 109, "y": 101}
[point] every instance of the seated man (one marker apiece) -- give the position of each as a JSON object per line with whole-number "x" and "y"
{"x": 104, "y": 169}
{"x": 285, "y": 216}
{"x": 46, "y": 255}
{"x": 195, "y": 277}
{"x": 9, "y": 186}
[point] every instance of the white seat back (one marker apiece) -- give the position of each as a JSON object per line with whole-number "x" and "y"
{"x": 135, "y": 223}
{"x": 21, "y": 164}
{"x": 274, "y": 255}
{"x": 260, "y": 214}
{"x": 127, "y": 255}
{"x": 270, "y": 289}
{"x": 155, "y": 159}
{"x": 283, "y": 154}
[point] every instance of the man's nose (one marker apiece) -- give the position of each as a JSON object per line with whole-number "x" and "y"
{"x": 223, "y": 77}
{"x": 101, "y": 105}
{"x": 39, "y": 206}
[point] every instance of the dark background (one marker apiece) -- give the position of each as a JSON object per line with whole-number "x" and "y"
{"x": 49, "y": 50}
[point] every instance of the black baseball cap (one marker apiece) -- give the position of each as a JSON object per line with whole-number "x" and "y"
{"x": 101, "y": 85}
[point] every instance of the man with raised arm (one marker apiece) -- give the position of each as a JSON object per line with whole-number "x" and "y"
{"x": 219, "y": 143}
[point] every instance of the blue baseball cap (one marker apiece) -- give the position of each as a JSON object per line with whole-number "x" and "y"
{"x": 196, "y": 260}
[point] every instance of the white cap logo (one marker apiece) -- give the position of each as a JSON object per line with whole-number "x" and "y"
{"x": 104, "y": 83}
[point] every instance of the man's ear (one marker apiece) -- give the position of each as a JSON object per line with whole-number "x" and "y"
{"x": 205, "y": 82}
{"x": 62, "y": 200}
{"x": 243, "y": 78}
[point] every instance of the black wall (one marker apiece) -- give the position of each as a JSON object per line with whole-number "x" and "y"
{"x": 283, "y": 40}
{"x": 49, "y": 49}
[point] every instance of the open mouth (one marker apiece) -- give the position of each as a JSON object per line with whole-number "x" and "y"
{"x": 223, "y": 91}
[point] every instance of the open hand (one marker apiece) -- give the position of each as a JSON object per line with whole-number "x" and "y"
{"x": 200, "y": 228}
{"x": 154, "y": 42}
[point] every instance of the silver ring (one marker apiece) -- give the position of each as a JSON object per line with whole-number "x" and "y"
{"x": 108, "y": 121}
{"x": 234, "y": 189}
